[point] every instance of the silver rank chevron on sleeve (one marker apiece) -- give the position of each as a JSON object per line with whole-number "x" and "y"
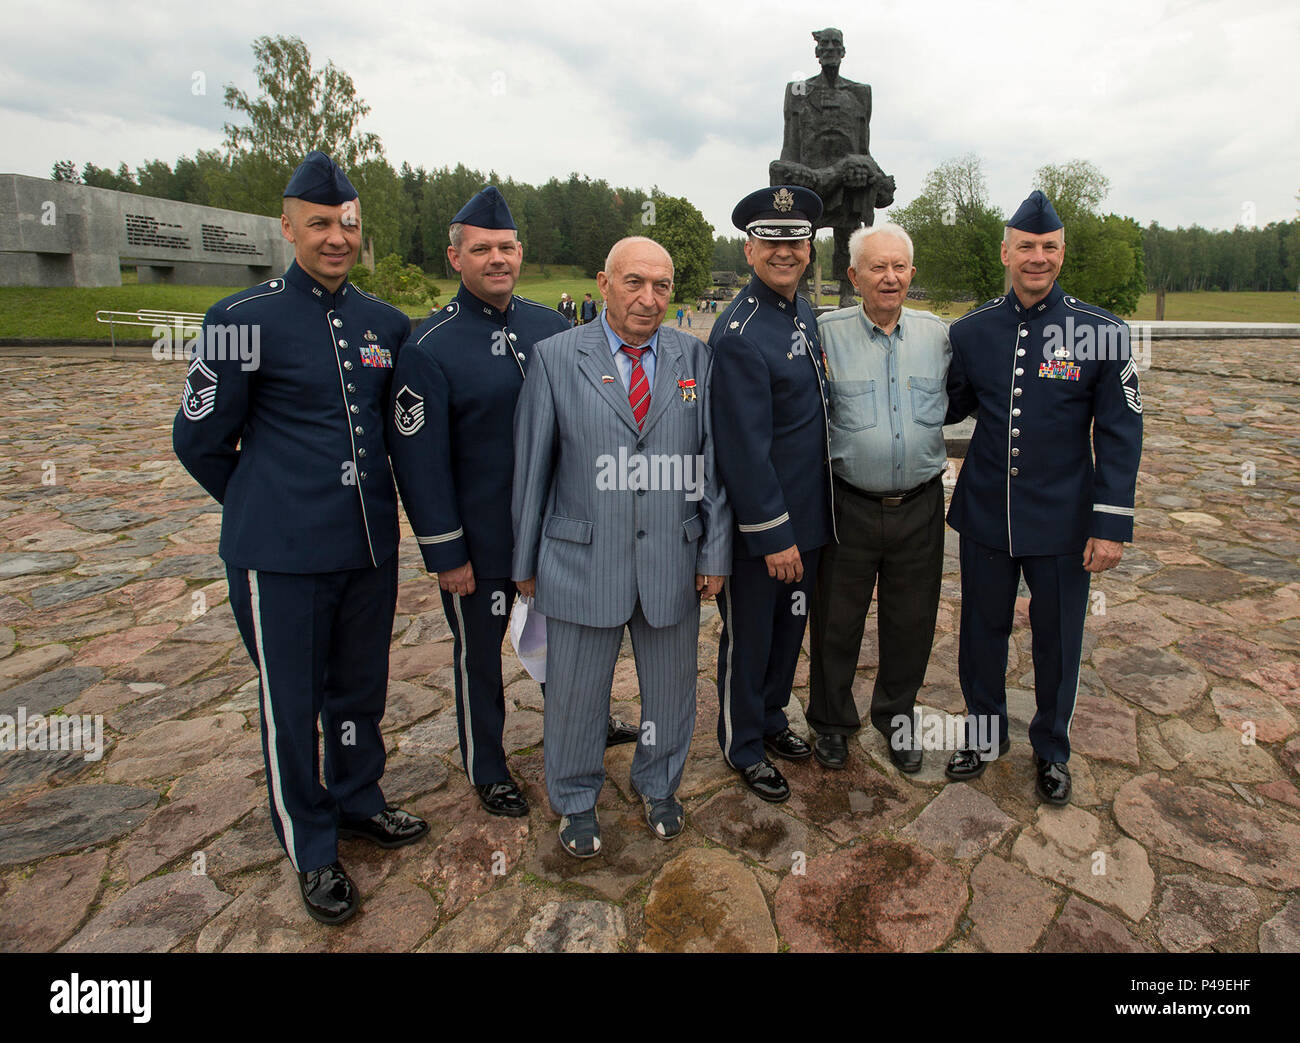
{"x": 200, "y": 390}
{"x": 408, "y": 411}
{"x": 1132, "y": 393}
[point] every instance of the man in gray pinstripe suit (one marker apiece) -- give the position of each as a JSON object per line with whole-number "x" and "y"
{"x": 619, "y": 521}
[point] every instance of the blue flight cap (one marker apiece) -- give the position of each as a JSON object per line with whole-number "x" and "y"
{"x": 319, "y": 179}
{"x": 1036, "y": 215}
{"x": 779, "y": 212}
{"x": 487, "y": 209}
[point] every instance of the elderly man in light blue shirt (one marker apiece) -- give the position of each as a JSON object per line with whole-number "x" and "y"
{"x": 886, "y": 369}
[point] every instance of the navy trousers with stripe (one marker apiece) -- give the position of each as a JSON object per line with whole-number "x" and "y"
{"x": 478, "y": 623}
{"x": 320, "y": 643}
{"x": 763, "y": 622}
{"x": 1058, "y": 604}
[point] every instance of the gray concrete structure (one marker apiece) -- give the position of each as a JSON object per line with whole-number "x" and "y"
{"x": 54, "y": 233}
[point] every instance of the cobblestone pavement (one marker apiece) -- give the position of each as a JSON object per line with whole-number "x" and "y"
{"x": 1184, "y": 832}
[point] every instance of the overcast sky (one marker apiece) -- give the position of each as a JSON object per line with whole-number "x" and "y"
{"x": 1190, "y": 108}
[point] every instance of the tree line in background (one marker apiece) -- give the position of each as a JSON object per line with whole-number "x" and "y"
{"x": 1109, "y": 259}
{"x": 1197, "y": 258}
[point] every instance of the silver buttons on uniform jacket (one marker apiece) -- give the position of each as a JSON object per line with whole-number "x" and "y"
{"x": 1016, "y": 393}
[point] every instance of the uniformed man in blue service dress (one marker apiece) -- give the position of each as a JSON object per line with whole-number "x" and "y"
{"x": 291, "y": 444}
{"x": 452, "y": 445}
{"x": 1046, "y": 489}
{"x": 770, "y": 427}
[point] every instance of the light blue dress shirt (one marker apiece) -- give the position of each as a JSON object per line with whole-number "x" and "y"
{"x": 888, "y": 397}
{"x": 624, "y": 361}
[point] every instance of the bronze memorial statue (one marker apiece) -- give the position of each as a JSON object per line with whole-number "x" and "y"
{"x": 827, "y": 149}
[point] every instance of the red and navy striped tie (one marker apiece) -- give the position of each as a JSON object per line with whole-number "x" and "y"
{"x": 638, "y": 395}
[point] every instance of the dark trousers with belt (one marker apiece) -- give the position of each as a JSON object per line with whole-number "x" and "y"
{"x": 1058, "y": 604}
{"x": 897, "y": 549}
{"x": 763, "y": 621}
{"x": 320, "y": 642}
{"x": 478, "y": 625}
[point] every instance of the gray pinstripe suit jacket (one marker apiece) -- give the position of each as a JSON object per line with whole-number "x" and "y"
{"x": 595, "y": 549}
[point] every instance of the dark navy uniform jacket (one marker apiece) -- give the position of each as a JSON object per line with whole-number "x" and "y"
{"x": 770, "y": 422}
{"x": 451, "y": 431}
{"x": 293, "y": 446}
{"x": 1054, "y": 456}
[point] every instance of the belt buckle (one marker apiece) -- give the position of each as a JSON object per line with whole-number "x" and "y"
{"x": 892, "y": 501}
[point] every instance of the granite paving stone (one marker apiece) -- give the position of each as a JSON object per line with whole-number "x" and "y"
{"x": 961, "y": 822}
{"x": 152, "y": 917}
{"x": 71, "y": 818}
{"x": 1191, "y": 824}
{"x": 1194, "y": 913}
{"x": 483, "y": 925}
{"x": 1067, "y": 845}
{"x": 1282, "y": 932}
{"x": 739, "y": 820}
{"x": 582, "y": 926}
{"x": 1010, "y": 909}
{"x": 43, "y": 911}
{"x": 879, "y": 897}
{"x": 50, "y": 690}
{"x": 1083, "y": 927}
{"x": 705, "y": 900}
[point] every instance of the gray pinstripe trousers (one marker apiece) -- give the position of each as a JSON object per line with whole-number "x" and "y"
{"x": 580, "y": 664}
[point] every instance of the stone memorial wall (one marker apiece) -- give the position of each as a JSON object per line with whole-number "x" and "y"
{"x": 53, "y": 233}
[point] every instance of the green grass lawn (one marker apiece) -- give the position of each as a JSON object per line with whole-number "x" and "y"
{"x": 69, "y": 313}
{"x": 1215, "y": 306}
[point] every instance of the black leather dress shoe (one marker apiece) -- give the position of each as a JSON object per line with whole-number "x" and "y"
{"x": 392, "y": 827}
{"x": 832, "y": 751}
{"x": 965, "y": 765}
{"x": 1053, "y": 783}
{"x": 906, "y": 760}
{"x": 329, "y": 894}
{"x": 788, "y": 745}
{"x": 617, "y": 732}
{"x": 764, "y": 779}
{"x": 503, "y": 798}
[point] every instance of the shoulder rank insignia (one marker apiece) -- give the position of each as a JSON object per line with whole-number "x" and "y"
{"x": 408, "y": 411}
{"x": 200, "y": 390}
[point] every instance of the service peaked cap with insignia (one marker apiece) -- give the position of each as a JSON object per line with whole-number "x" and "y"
{"x": 486, "y": 210}
{"x": 779, "y": 212}
{"x": 319, "y": 179}
{"x": 1036, "y": 215}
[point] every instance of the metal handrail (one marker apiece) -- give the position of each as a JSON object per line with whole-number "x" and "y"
{"x": 151, "y": 317}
